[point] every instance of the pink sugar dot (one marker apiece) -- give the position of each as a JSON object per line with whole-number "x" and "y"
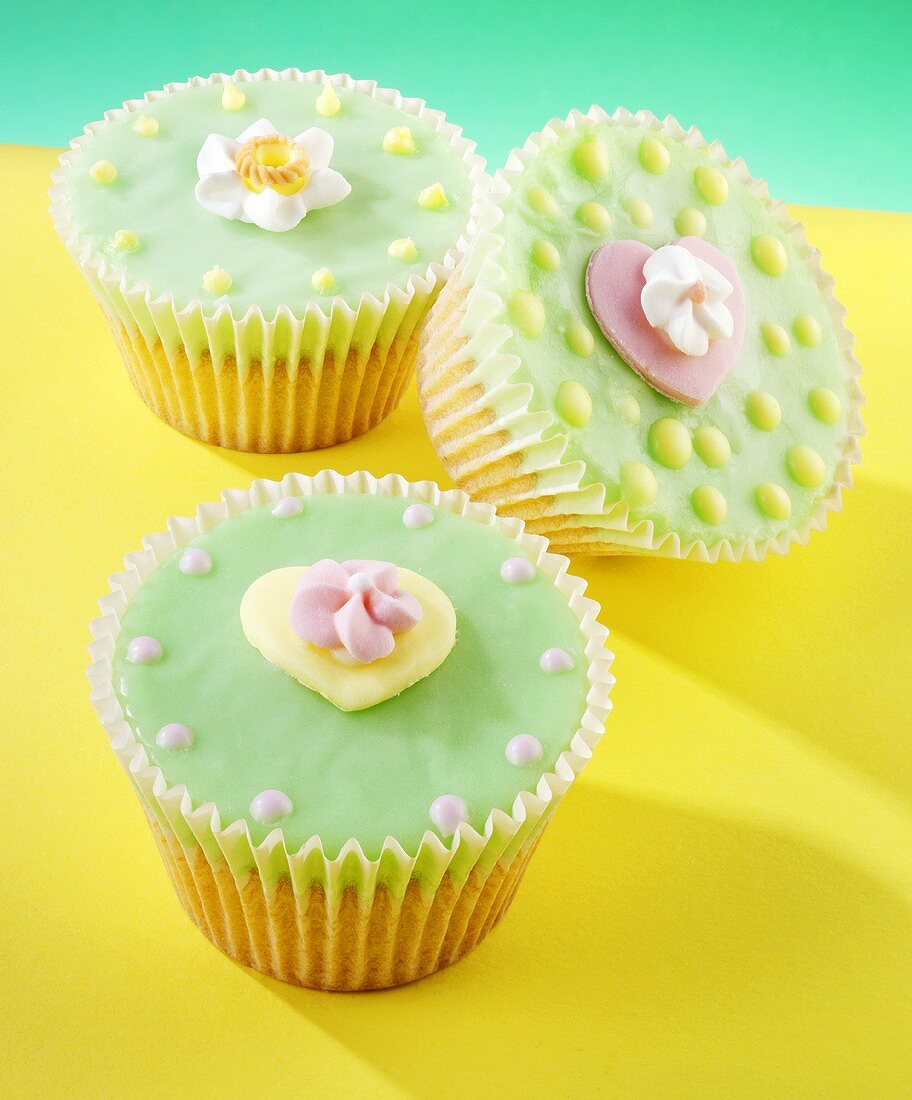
{"x": 288, "y": 506}
{"x": 195, "y": 562}
{"x": 517, "y": 570}
{"x": 270, "y": 806}
{"x": 556, "y": 660}
{"x": 524, "y": 749}
{"x": 174, "y": 735}
{"x": 417, "y": 515}
{"x": 144, "y": 650}
{"x": 448, "y": 812}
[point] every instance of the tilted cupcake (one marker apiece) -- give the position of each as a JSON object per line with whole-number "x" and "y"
{"x": 266, "y": 247}
{"x": 349, "y": 708}
{"x": 640, "y": 352}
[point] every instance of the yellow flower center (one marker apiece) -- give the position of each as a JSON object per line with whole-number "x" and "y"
{"x": 273, "y": 161}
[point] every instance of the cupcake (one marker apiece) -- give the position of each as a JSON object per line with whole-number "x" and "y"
{"x": 640, "y": 352}
{"x": 266, "y": 247}
{"x": 349, "y": 708}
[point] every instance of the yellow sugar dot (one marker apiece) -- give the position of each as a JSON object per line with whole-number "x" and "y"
{"x": 769, "y": 255}
{"x": 545, "y": 255}
{"x": 146, "y": 126}
{"x": 433, "y": 197}
{"x": 217, "y": 281}
{"x": 574, "y": 403}
{"x": 711, "y": 185}
{"x": 528, "y": 313}
{"x": 403, "y": 249}
{"x": 233, "y": 99}
{"x": 579, "y": 339}
{"x": 323, "y": 280}
{"x": 776, "y": 338}
{"x": 542, "y": 201}
{"x": 773, "y": 501}
{"x": 399, "y": 140}
{"x": 805, "y": 466}
{"x": 712, "y": 446}
{"x": 629, "y": 408}
{"x": 709, "y": 504}
{"x": 594, "y": 216}
{"x": 328, "y": 103}
{"x": 125, "y": 240}
{"x": 639, "y": 211}
{"x": 690, "y": 222}
{"x": 763, "y": 410}
{"x": 653, "y": 155}
{"x": 638, "y": 484}
{"x": 669, "y": 443}
{"x": 103, "y": 171}
{"x": 807, "y": 330}
{"x": 825, "y": 405}
{"x": 590, "y": 158}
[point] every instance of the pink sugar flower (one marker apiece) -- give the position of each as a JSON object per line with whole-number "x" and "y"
{"x": 353, "y": 605}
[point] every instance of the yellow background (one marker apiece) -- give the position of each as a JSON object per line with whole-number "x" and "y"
{"x": 723, "y": 906}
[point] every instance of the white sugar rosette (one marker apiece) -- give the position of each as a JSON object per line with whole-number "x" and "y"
{"x": 310, "y": 376}
{"x": 348, "y": 922}
{"x": 479, "y": 406}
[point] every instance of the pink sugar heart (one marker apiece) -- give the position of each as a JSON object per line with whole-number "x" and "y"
{"x": 614, "y": 283}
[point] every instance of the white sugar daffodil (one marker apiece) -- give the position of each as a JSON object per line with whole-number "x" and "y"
{"x": 266, "y": 178}
{"x": 684, "y": 296}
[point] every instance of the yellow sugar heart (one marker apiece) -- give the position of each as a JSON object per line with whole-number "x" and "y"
{"x": 418, "y": 652}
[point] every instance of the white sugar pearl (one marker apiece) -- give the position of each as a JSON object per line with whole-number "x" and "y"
{"x": 288, "y": 506}
{"x": 174, "y": 735}
{"x": 417, "y": 515}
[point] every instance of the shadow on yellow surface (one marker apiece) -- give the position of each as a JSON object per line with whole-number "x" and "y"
{"x": 660, "y": 907}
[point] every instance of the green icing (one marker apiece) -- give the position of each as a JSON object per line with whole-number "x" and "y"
{"x": 153, "y": 196}
{"x": 551, "y": 351}
{"x": 373, "y": 773}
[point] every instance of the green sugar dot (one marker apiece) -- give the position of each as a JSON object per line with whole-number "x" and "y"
{"x": 807, "y": 330}
{"x": 639, "y": 211}
{"x": 690, "y": 222}
{"x": 825, "y": 405}
{"x": 709, "y": 504}
{"x": 528, "y": 313}
{"x": 711, "y": 185}
{"x": 776, "y": 338}
{"x": 574, "y": 403}
{"x": 763, "y": 410}
{"x": 805, "y": 466}
{"x": 542, "y": 201}
{"x": 590, "y": 158}
{"x": 669, "y": 443}
{"x": 773, "y": 501}
{"x": 638, "y": 484}
{"x": 545, "y": 255}
{"x": 653, "y": 155}
{"x": 579, "y": 339}
{"x": 594, "y": 216}
{"x": 712, "y": 446}
{"x": 769, "y": 255}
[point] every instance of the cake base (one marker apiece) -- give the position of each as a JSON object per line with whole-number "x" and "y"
{"x": 345, "y": 944}
{"x": 276, "y": 414}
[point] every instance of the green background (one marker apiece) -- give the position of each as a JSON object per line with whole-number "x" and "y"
{"x": 812, "y": 94}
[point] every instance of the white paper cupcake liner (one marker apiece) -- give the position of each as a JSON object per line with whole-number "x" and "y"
{"x": 498, "y": 448}
{"x": 210, "y": 859}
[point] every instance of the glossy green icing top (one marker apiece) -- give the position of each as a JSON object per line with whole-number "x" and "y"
{"x": 655, "y": 192}
{"x": 152, "y": 196}
{"x": 365, "y": 774}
